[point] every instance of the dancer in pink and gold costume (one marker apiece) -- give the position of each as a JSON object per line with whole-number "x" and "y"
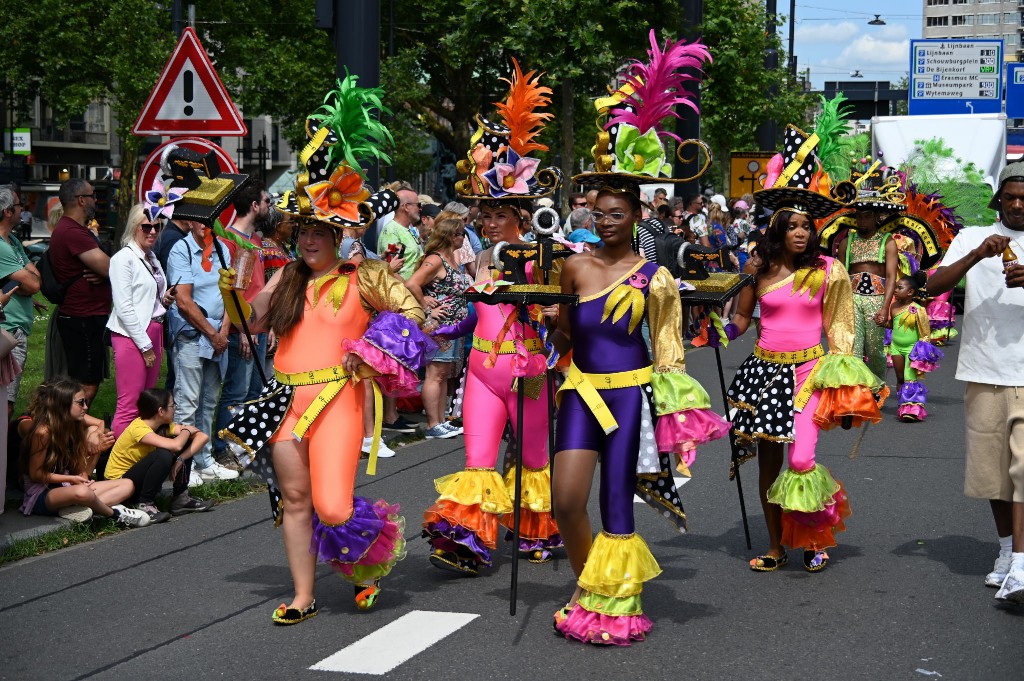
{"x": 790, "y": 388}
{"x": 462, "y": 525}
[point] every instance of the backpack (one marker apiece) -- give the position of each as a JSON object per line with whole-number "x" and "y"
{"x": 659, "y": 245}
{"x": 51, "y": 287}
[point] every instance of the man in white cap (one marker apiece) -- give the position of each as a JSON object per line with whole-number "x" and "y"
{"x": 991, "y": 361}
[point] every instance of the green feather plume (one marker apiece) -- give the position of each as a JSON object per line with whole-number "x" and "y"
{"x": 831, "y": 127}
{"x": 352, "y": 113}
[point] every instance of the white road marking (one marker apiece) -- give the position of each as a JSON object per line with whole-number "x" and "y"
{"x": 679, "y": 483}
{"x": 395, "y": 643}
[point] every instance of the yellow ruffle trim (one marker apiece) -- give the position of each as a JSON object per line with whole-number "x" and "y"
{"x": 618, "y": 565}
{"x": 536, "y": 488}
{"x": 475, "y": 487}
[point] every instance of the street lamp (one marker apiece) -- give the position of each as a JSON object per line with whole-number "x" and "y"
{"x": 877, "y": 21}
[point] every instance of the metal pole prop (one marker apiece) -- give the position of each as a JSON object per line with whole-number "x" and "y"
{"x": 516, "y": 510}
{"x": 732, "y": 448}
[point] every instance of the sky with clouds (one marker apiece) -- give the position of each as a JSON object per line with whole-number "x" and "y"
{"x": 833, "y": 38}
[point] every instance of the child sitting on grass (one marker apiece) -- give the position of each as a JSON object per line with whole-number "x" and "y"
{"x": 153, "y": 448}
{"x": 60, "y": 449}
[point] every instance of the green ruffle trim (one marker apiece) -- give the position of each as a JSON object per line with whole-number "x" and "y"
{"x": 808, "y": 492}
{"x": 677, "y": 391}
{"x": 366, "y": 574}
{"x": 616, "y": 607}
{"x": 836, "y": 371}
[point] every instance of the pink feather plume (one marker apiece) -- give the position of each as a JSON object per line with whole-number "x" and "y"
{"x": 658, "y": 85}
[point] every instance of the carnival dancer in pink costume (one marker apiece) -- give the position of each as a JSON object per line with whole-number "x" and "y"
{"x": 619, "y": 405}
{"x": 790, "y": 388}
{"x": 339, "y": 324}
{"x": 462, "y": 525}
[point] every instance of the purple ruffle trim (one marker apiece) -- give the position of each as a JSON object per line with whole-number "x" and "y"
{"x": 915, "y": 412}
{"x": 546, "y": 544}
{"x": 592, "y": 627}
{"x": 926, "y": 355}
{"x": 394, "y": 379}
{"x": 888, "y": 337}
{"x": 443, "y": 535}
{"x": 913, "y": 391}
{"x": 348, "y": 542}
{"x": 400, "y": 338}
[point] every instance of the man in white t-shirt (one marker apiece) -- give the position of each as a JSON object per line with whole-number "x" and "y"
{"x": 992, "y": 363}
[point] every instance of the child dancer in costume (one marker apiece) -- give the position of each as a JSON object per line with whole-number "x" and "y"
{"x": 338, "y": 323}
{"x": 790, "y": 388}
{"x": 911, "y": 351}
{"x": 618, "y": 405}
{"x": 462, "y": 526}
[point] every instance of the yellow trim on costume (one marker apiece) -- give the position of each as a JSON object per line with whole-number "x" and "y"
{"x": 793, "y": 357}
{"x": 621, "y": 279}
{"x": 334, "y": 379}
{"x": 507, "y": 347}
{"x": 797, "y": 161}
{"x": 761, "y": 292}
{"x": 588, "y": 385}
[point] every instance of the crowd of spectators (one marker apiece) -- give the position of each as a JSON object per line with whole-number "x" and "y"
{"x": 155, "y": 304}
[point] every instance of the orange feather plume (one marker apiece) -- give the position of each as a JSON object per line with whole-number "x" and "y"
{"x": 518, "y": 111}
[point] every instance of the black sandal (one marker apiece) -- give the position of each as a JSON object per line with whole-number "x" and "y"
{"x": 768, "y": 563}
{"x": 446, "y": 560}
{"x": 286, "y": 616}
{"x": 815, "y": 561}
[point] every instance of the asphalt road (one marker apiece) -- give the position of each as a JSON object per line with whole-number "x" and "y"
{"x": 903, "y": 598}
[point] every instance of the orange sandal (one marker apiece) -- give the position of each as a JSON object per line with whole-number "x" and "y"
{"x": 366, "y": 595}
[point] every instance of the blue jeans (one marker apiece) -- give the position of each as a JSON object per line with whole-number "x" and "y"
{"x": 237, "y": 382}
{"x": 196, "y": 386}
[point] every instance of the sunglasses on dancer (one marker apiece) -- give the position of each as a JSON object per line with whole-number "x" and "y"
{"x": 148, "y": 227}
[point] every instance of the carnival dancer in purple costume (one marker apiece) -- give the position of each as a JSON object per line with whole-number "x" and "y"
{"x": 618, "y": 406}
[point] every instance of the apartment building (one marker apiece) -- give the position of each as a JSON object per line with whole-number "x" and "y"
{"x": 977, "y": 19}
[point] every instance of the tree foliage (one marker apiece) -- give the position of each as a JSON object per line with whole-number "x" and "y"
{"x": 733, "y": 98}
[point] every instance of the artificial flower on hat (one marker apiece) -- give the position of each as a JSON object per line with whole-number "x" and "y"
{"x": 498, "y": 164}
{"x": 160, "y": 199}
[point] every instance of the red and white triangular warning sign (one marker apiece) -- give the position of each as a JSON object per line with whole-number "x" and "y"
{"x": 189, "y": 98}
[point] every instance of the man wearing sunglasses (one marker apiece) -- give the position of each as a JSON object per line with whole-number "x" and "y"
{"x": 81, "y": 264}
{"x": 397, "y": 238}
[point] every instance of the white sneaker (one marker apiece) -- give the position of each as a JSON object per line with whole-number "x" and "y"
{"x": 217, "y": 472}
{"x": 131, "y": 517}
{"x": 449, "y": 426}
{"x": 194, "y": 479}
{"x": 76, "y": 514}
{"x": 995, "y": 578}
{"x": 383, "y": 451}
{"x": 1012, "y": 588}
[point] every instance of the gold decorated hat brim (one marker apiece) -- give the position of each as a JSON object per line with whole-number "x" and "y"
{"x": 815, "y": 204}
{"x": 378, "y": 205}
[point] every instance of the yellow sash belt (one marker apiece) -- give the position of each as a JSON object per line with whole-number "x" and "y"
{"x": 334, "y": 379}
{"x": 589, "y": 385}
{"x": 507, "y": 347}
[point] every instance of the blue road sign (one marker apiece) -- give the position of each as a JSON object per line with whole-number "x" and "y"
{"x": 1015, "y": 90}
{"x": 960, "y": 76}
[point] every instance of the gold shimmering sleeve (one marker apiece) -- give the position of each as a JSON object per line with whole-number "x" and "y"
{"x": 380, "y": 290}
{"x": 924, "y": 327}
{"x": 837, "y": 310}
{"x": 665, "y": 316}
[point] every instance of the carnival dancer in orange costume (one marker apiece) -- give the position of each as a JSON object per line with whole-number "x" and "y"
{"x": 338, "y": 323}
{"x": 462, "y": 526}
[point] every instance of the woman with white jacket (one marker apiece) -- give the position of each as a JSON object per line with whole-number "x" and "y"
{"x": 141, "y": 298}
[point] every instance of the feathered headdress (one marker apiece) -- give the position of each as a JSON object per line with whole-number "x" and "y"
{"x": 342, "y": 133}
{"x": 630, "y": 146}
{"x": 498, "y": 164}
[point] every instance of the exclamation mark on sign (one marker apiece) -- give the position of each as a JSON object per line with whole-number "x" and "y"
{"x": 187, "y": 85}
